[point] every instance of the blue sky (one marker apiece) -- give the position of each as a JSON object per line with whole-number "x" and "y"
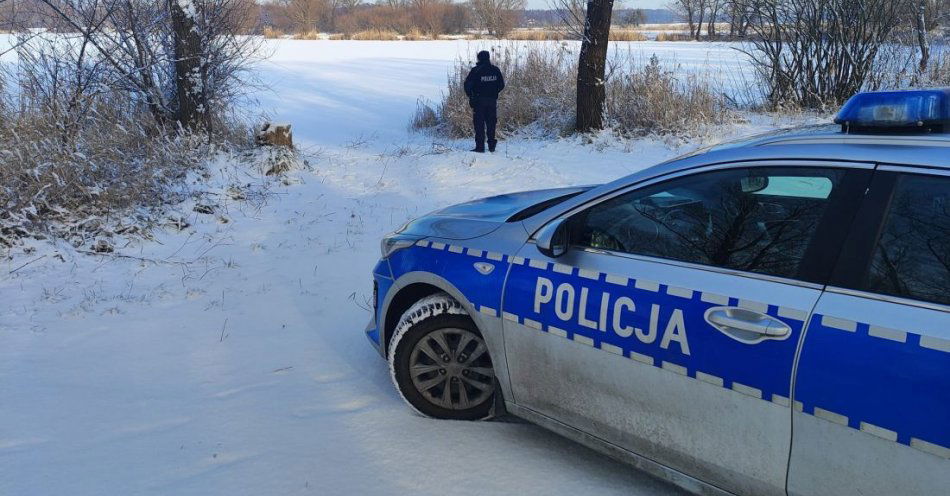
{"x": 626, "y": 4}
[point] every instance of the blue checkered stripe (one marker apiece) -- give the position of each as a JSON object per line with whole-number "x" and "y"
{"x": 487, "y": 303}
{"x": 652, "y": 291}
{"x": 887, "y": 383}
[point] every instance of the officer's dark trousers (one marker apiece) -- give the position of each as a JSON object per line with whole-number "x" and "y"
{"x": 485, "y": 117}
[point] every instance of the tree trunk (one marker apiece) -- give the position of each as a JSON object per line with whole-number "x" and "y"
{"x": 591, "y": 91}
{"x": 922, "y": 35}
{"x": 189, "y": 70}
{"x": 699, "y": 25}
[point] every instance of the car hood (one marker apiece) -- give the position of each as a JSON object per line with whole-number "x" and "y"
{"x": 481, "y": 217}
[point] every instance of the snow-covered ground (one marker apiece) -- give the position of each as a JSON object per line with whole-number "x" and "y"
{"x": 229, "y": 358}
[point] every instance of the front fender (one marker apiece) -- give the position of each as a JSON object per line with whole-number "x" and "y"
{"x": 490, "y": 326}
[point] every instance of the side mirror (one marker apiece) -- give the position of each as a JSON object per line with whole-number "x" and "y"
{"x": 553, "y": 239}
{"x": 753, "y": 184}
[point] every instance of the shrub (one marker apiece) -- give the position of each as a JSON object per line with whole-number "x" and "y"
{"x": 534, "y": 34}
{"x": 114, "y": 175}
{"x": 626, "y": 35}
{"x": 425, "y": 116}
{"x": 308, "y": 35}
{"x": 375, "y": 34}
{"x": 667, "y": 36}
{"x": 540, "y": 96}
{"x": 272, "y": 33}
{"x": 653, "y": 100}
{"x": 415, "y": 35}
{"x": 539, "y": 92}
{"x": 98, "y": 145}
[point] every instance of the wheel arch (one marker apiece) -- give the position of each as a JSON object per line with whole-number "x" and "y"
{"x": 413, "y": 286}
{"x": 406, "y": 291}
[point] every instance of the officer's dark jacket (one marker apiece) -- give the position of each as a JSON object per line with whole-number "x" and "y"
{"x": 484, "y": 81}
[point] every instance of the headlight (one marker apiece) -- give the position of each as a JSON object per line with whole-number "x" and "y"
{"x": 395, "y": 242}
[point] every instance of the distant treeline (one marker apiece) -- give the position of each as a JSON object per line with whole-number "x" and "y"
{"x": 300, "y": 17}
{"x": 551, "y": 17}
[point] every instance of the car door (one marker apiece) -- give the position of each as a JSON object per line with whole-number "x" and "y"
{"x": 872, "y": 389}
{"x": 670, "y": 328}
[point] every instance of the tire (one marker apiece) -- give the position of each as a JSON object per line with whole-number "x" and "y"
{"x": 437, "y": 346}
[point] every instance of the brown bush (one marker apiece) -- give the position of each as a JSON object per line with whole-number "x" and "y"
{"x": 308, "y": 35}
{"x": 540, "y": 90}
{"x": 536, "y": 34}
{"x": 271, "y": 33}
{"x": 415, "y": 35}
{"x": 425, "y": 116}
{"x": 650, "y": 99}
{"x": 116, "y": 175}
{"x": 375, "y": 34}
{"x": 626, "y": 35}
{"x": 667, "y": 36}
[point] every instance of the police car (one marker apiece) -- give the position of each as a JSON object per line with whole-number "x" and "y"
{"x": 768, "y": 317}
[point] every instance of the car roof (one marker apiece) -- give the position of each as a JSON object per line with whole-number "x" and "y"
{"x": 791, "y": 147}
{"x": 827, "y": 142}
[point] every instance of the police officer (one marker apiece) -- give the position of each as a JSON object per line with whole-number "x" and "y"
{"x": 483, "y": 84}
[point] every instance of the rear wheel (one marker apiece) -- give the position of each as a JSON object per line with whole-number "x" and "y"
{"x": 440, "y": 363}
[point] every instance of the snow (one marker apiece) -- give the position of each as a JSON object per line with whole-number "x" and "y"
{"x": 229, "y": 358}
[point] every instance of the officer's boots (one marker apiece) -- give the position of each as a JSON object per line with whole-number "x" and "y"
{"x": 491, "y": 145}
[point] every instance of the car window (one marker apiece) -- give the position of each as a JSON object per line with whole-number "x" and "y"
{"x": 912, "y": 255}
{"x": 756, "y": 220}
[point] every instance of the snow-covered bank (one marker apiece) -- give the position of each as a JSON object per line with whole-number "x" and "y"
{"x": 229, "y": 358}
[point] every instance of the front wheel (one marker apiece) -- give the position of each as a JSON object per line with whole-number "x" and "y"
{"x": 440, "y": 364}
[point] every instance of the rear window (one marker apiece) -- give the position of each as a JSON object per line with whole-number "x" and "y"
{"x": 912, "y": 255}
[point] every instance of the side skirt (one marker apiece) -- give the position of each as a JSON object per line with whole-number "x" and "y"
{"x": 641, "y": 463}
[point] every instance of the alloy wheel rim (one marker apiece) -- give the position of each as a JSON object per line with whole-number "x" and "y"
{"x": 450, "y": 367}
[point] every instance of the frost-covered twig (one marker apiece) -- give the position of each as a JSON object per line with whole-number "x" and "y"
{"x": 27, "y": 263}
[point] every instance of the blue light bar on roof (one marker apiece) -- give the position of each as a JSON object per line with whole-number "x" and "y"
{"x": 909, "y": 111}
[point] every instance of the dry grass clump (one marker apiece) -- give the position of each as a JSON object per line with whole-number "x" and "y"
{"x": 375, "y": 34}
{"x": 667, "y": 36}
{"x": 308, "y": 35}
{"x": 626, "y": 35}
{"x": 536, "y": 34}
{"x": 900, "y": 70}
{"x": 272, "y": 33}
{"x": 538, "y": 92}
{"x": 113, "y": 174}
{"x": 653, "y": 100}
{"x": 675, "y": 26}
{"x": 415, "y": 35}
{"x": 425, "y": 116}
{"x": 539, "y": 96}
{"x": 95, "y": 146}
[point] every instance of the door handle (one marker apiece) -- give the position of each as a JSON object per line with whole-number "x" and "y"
{"x": 746, "y": 325}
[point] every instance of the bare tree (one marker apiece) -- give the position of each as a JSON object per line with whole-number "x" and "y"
{"x": 498, "y": 17}
{"x": 922, "y": 36}
{"x": 179, "y": 59}
{"x": 190, "y": 70}
{"x": 714, "y": 8}
{"x": 635, "y": 17}
{"x": 691, "y": 12}
{"x": 592, "y": 66}
{"x": 738, "y": 12}
{"x": 701, "y": 6}
{"x": 430, "y": 15}
{"x": 817, "y": 53}
{"x": 310, "y": 15}
{"x": 573, "y": 16}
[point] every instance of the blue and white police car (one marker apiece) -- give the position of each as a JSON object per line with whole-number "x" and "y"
{"x": 768, "y": 317}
